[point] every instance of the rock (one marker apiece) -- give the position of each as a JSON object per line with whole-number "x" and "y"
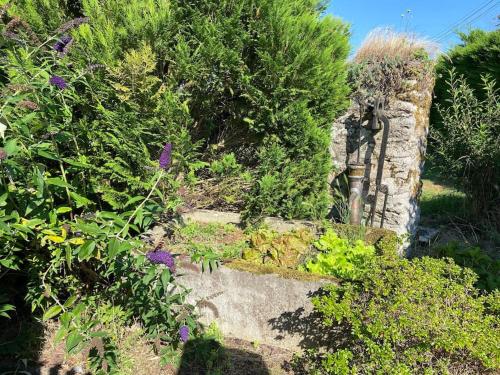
{"x": 426, "y": 235}
{"x": 269, "y": 308}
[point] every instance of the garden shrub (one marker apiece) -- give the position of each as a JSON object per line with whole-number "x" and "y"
{"x": 419, "y": 316}
{"x": 475, "y": 258}
{"x": 60, "y": 179}
{"x": 466, "y": 144}
{"x": 249, "y": 77}
{"x": 476, "y": 56}
{"x": 464, "y": 121}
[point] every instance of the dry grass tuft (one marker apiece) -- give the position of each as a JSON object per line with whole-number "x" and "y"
{"x": 391, "y": 65}
{"x": 383, "y": 43}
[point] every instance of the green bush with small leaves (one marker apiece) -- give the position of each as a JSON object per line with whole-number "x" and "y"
{"x": 419, "y": 316}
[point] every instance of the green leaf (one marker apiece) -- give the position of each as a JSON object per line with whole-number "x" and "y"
{"x": 11, "y": 147}
{"x": 80, "y": 200}
{"x": 133, "y": 200}
{"x": 165, "y": 278}
{"x": 62, "y": 210}
{"x": 47, "y": 155}
{"x": 57, "y": 181}
{"x": 149, "y": 276}
{"x": 70, "y": 301}
{"x": 52, "y": 312}
{"x": 69, "y": 255}
{"x": 115, "y": 246}
{"x": 86, "y": 250}
{"x": 73, "y": 340}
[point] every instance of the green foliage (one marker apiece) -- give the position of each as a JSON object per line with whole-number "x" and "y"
{"x": 476, "y": 56}
{"x": 475, "y": 258}
{"x": 209, "y": 242}
{"x": 226, "y": 166}
{"x": 284, "y": 250}
{"x": 205, "y": 255}
{"x": 467, "y": 144}
{"x": 66, "y": 161}
{"x": 420, "y": 316}
{"x": 241, "y": 76}
{"x": 339, "y": 257}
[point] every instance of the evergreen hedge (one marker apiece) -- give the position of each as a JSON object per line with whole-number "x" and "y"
{"x": 261, "y": 78}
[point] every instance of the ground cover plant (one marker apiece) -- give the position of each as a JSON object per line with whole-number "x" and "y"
{"x": 340, "y": 257}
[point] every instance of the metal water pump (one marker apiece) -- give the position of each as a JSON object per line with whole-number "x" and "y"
{"x": 377, "y": 120}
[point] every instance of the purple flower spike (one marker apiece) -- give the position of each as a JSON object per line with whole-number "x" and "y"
{"x": 58, "y": 81}
{"x": 166, "y": 156}
{"x": 162, "y": 257}
{"x": 63, "y": 45}
{"x": 184, "y": 333}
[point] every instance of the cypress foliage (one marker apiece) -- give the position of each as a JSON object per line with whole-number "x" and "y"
{"x": 261, "y": 78}
{"x": 476, "y": 56}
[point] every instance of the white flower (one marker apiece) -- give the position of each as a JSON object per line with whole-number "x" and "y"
{"x": 3, "y": 128}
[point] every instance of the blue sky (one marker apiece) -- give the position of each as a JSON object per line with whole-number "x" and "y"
{"x": 428, "y": 18}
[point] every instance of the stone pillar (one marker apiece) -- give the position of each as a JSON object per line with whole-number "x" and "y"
{"x": 404, "y": 159}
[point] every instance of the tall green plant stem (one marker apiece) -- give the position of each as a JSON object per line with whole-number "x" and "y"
{"x": 142, "y": 204}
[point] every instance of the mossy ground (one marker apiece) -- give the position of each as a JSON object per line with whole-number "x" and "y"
{"x": 230, "y": 243}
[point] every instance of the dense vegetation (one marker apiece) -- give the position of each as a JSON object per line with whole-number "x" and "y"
{"x": 263, "y": 79}
{"x": 465, "y": 131}
{"x": 475, "y": 56}
{"x": 115, "y": 113}
{"x": 420, "y": 316}
{"x": 92, "y": 92}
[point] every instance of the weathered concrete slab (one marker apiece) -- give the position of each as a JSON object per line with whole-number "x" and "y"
{"x": 220, "y": 217}
{"x": 269, "y": 308}
{"x": 211, "y": 217}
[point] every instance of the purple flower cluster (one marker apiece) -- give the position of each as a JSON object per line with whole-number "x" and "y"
{"x": 59, "y": 82}
{"x": 63, "y": 45}
{"x": 184, "y": 333}
{"x": 166, "y": 156}
{"x": 162, "y": 257}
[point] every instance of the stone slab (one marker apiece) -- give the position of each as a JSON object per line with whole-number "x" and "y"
{"x": 262, "y": 308}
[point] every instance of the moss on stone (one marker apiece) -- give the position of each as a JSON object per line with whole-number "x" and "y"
{"x": 286, "y": 273}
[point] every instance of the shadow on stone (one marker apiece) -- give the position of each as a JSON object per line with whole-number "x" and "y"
{"x": 208, "y": 356}
{"x": 310, "y": 327}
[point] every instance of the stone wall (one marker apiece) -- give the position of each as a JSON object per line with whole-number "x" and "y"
{"x": 263, "y": 305}
{"x": 404, "y": 160}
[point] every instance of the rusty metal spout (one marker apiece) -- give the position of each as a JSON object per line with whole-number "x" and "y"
{"x": 356, "y": 178}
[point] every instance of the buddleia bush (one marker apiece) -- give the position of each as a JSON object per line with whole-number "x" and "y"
{"x": 227, "y": 76}
{"x": 73, "y": 199}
